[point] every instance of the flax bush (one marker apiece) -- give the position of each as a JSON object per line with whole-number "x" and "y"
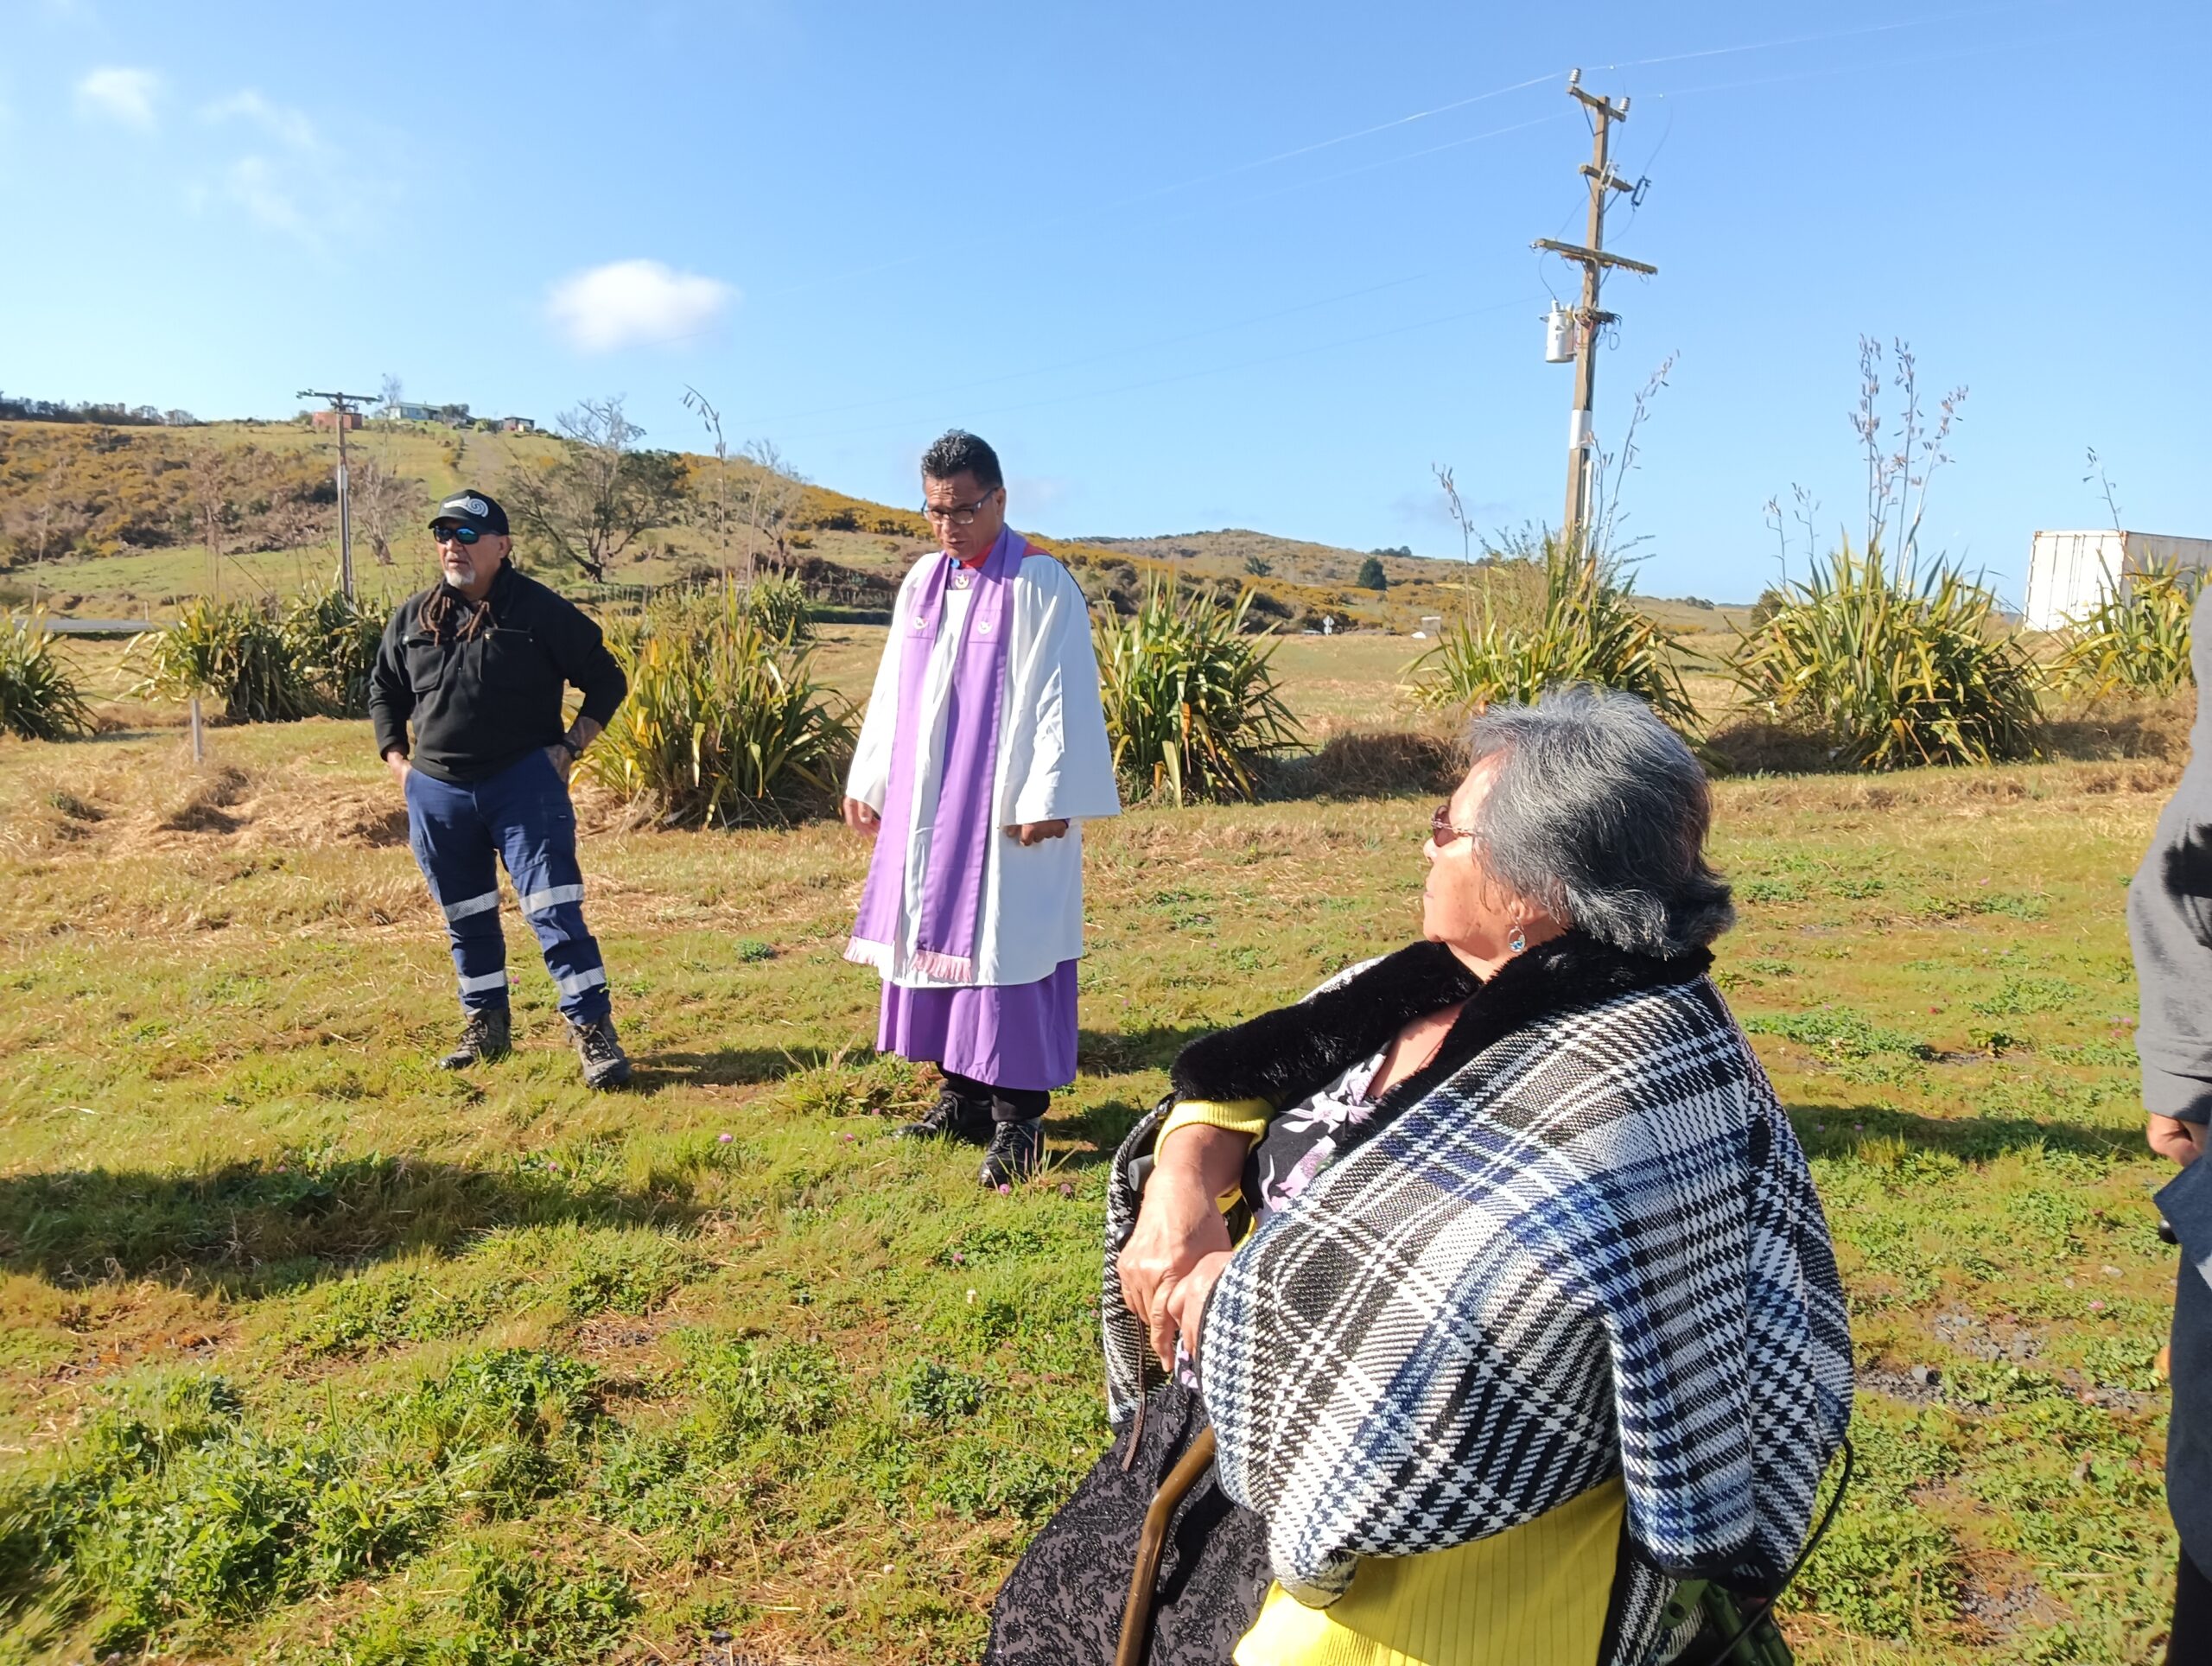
{"x": 1583, "y": 626}
{"x": 39, "y": 698}
{"x": 1192, "y": 706}
{"x": 2135, "y": 641}
{"x": 333, "y": 640}
{"x": 779, "y": 607}
{"x": 233, "y": 652}
{"x": 725, "y": 722}
{"x": 1892, "y": 665}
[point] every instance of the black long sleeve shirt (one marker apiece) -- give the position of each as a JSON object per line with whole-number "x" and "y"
{"x": 481, "y": 705}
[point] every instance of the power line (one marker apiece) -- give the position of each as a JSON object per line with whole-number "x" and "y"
{"x": 1188, "y": 375}
{"x": 1123, "y": 352}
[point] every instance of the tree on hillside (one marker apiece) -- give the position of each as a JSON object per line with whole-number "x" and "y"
{"x": 770, "y": 500}
{"x": 1371, "y": 575}
{"x": 589, "y": 504}
{"x": 214, "y": 474}
{"x": 384, "y": 504}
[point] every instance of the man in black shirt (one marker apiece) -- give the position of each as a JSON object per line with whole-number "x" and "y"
{"x": 477, "y": 664}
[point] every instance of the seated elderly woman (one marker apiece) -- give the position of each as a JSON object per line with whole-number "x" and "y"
{"x": 1491, "y": 1271}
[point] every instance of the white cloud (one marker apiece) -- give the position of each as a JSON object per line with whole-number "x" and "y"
{"x": 281, "y": 121}
{"x": 628, "y": 303}
{"x": 288, "y": 177}
{"x": 120, "y": 95}
{"x": 253, "y": 184}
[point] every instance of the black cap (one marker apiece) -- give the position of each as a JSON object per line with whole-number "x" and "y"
{"x": 472, "y": 508}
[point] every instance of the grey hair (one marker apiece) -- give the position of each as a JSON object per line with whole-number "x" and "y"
{"x": 1598, "y": 812}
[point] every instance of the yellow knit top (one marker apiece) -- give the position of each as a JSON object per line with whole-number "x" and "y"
{"x": 1534, "y": 1595}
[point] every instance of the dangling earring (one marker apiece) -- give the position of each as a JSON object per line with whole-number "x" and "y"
{"x": 1517, "y": 940}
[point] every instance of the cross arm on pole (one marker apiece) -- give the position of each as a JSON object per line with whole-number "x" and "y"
{"x": 1594, "y": 256}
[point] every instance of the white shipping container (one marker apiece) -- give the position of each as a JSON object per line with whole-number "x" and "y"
{"x": 2069, "y": 573}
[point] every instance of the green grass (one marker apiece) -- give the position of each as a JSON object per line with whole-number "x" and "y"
{"x": 308, "y": 1353}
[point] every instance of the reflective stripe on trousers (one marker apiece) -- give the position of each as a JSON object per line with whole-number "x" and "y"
{"x": 522, "y": 816}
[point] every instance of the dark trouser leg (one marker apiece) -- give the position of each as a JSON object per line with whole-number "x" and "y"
{"x": 454, "y": 848}
{"x": 2190, "y": 1643}
{"x": 1007, "y": 1105}
{"x": 1018, "y": 1104}
{"x": 531, "y": 816}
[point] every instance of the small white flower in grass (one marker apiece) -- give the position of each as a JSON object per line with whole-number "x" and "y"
{"x": 971, "y": 1298}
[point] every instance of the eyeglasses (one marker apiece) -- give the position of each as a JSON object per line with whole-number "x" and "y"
{"x": 461, "y": 535}
{"x": 959, "y": 514}
{"x": 1441, "y": 829}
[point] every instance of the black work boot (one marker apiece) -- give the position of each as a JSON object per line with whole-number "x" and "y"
{"x": 1017, "y": 1151}
{"x": 950, "y": 1118}
{"x": 606, "y": 1065}
{"x": 485, "y": 1036}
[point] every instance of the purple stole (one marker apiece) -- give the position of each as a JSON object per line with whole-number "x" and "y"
{"x": 958, "y": 845}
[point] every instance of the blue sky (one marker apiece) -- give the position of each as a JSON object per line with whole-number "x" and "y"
{"x": 1186, "y": 266}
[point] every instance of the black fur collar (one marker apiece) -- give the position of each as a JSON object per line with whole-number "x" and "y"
{"x": 1288, "y": 1055}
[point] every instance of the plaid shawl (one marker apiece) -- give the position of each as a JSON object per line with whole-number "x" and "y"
{"x": 1581, "y": 1241}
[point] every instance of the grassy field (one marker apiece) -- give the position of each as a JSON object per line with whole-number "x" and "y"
{"x": 308, "y": 1353}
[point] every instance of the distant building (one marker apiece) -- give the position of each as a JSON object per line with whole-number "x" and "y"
{"x": 180, "y": 419}
{"x": 2069, "y": 573}
{"x": 331, "y": 421}
{"x": 405, "y": 411}
{"x": 517, "y": 425}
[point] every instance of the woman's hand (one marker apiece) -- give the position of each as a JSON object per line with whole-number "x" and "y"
{"x": 1036, "y": 832}
{"x": 1179, "y": 1225}
{"x": 2170, "y": 1136}
{"x": 1182, "y": 1306}
{"x": 862, "y": 819}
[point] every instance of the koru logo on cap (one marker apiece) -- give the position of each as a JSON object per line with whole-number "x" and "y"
{"x": 469, "y": 506}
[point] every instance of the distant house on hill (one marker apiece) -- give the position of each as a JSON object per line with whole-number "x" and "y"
{"x": 401, "y": 410}
{"x": 517, "y": 425}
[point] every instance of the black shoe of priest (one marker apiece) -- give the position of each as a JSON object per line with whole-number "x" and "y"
{"x": 1017, "y": 1151}
{"x": 950, "y": 1118}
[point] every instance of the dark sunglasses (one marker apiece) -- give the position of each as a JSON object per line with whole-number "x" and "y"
{"x": 455, "y": 534}
{"x": 1441, "y": 827}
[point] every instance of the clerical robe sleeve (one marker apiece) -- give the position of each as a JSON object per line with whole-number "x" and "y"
{"x": 869, "y": 778}
{"x": 1061, "y": 767}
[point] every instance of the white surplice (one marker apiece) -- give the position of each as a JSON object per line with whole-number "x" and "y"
{"x": 1054, "y": 763}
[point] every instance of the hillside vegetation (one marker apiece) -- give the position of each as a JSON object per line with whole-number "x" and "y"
{"x": 128, "y": 522}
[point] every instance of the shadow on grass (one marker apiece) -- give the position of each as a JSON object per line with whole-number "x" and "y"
{"x": 731, "y": 1066}
{"x": 1367, "y": 764}
{"x": 1109, "y": 1052}
{"x": 1839, "y": 1130}
{"x": 270, "y": 1228}
{"x": 1102, "y": 1127}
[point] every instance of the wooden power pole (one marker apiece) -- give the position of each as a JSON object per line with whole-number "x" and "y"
{"x": 344, "y": 405}
{"x": 1582, "y": 445}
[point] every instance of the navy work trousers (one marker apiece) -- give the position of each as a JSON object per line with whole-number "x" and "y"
{"x": 521, "y": 816}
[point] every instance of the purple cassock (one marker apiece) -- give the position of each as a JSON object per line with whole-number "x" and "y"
{"x": 985, "y": 715}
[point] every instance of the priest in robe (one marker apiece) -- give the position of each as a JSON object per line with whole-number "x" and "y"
{"x": 983, "y": 753}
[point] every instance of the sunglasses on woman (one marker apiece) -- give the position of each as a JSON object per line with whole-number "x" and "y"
{"x": 1441, "y": 827}
{"x": 461, "y": 535}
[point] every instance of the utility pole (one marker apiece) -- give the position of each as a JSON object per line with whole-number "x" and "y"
{"x": 345, "y": 404}
{"x": 1581, "y": 444}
